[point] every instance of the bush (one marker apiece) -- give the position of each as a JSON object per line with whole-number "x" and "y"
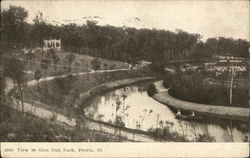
{"x": 164, "y": 133}
{"x": 96, "y": 64}
{"x": 151, "y": 90}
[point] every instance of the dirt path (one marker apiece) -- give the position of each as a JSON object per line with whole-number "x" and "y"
{"x": 70, "y": 121}
{"x": 46, "y": 113}
{"x": 34, "y": 82}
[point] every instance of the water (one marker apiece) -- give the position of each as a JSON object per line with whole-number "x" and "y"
{"x": 145, "y": 111}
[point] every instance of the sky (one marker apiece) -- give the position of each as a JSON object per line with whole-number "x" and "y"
{"x": 216, "y": 18}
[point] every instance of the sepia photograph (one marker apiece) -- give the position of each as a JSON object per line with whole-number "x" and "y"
{"x": 124, "y": 71}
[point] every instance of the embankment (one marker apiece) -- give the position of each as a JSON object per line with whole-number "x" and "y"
{"x": 233, "y": 113}
{"x": 105, "y": 87}
{"x": 45, "y": 111}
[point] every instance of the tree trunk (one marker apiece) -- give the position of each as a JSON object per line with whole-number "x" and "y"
{"x": 21, "y": 95}
{"x": 231, "y": 130}
{"x": 30, "y": 64}
{"x": 231, "y": 87}
{"x": 55, "y": 69}
{"x": 69, "y": 67}
{"x": 38, "y": 86}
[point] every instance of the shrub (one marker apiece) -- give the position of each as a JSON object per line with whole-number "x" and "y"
{"x": 151, "y": 90}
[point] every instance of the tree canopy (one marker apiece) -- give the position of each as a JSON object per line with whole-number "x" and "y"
{"x": 119, "y": 43}
{"x": 13, "y": 25}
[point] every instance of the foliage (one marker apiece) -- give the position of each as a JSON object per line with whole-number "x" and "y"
{"x": 38, "y": 75}
{"x": 29, "y": 56}
{"x": 168, "y": 79}
{"x": 16, "y": 127}
{"x": 127, "y": 44}
{"x": 228, "y": 46}
{"x": 165, "y": 131}
{"x": 45, "y": 65}
{"x": 28, "y": 128}
{"x": 120, "y": 110}
{"x": 95, "y": 63}
{"x": 205, "y": 138}
{"x": 13, "y": 25}
{"x": 146, "y": 113}
{"x": 70, "y": 58}
{"x": 14, "y": 69}
{"x": 196, "y": 87}
{"x": 151, "y": 90}
{"x": 54, "y": 58}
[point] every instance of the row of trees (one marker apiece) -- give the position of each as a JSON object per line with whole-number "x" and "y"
{"x": 121, "y": 43}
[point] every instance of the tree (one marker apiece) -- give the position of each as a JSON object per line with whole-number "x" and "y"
{"x": 2, "y": 95}
{"x": 200, "y": 53}
{"x": 70, "y": 58}
{"x": 45, "y": 65}
{"x": 227, "y": 46}
{"x": 14, "y": 69}
{"x": 53, "y": 58}
{"x": 38, "y": 75}
{"x": 40, "y": 30}
{"x": 96, "y": 64}
{"x": 73, "y": 37}
{"x": 55, "y": 61}
{"x": 29, "y": 56}
{"x": 13, "y": 27}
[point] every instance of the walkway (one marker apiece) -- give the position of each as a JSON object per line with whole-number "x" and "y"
{"x": 235, "y": 113}
{"x": 34, "y": 82}
{"x": 40, "y": 110}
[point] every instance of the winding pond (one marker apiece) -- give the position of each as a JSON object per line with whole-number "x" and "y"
{"x": 139, "y": 111}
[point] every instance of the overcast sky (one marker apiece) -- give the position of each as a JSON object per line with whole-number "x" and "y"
{"x": 208, "y": 18}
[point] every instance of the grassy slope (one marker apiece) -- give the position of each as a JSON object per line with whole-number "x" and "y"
{"x": 63, "y": 92}
{"x": 16, "y": 127}
{"x": 81, "y": 64}
{"x": 30, "y": 128}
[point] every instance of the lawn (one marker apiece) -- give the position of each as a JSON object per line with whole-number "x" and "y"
{"x": 81, "y": 63}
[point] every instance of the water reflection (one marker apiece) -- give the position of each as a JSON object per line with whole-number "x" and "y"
{"x": 139, "y": 111}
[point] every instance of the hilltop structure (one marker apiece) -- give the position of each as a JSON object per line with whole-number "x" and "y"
{"x": 52, "y": 43}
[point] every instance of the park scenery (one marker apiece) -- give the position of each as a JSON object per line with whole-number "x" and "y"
{"x": 102, "y": 80}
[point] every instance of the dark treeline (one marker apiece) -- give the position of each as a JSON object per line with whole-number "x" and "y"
{"x": 119, "y": 43}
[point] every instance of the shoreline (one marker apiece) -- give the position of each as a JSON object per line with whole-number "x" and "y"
{"x": 64, "y": 120}
{"x": 232, "y": 113}
{"x": 106, "y": 87}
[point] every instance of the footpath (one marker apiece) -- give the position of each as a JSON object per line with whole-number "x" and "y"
{"x": 41, "y": 110}
{"x": 234, "y": 113}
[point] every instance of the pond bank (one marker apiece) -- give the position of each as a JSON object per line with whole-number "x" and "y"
{"x": 45, "y": 111}
{"x": 105, "y": 87}
{"x": 232, "y": 113}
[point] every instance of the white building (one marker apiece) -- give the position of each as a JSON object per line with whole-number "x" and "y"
{"x": 53, "y": 43}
